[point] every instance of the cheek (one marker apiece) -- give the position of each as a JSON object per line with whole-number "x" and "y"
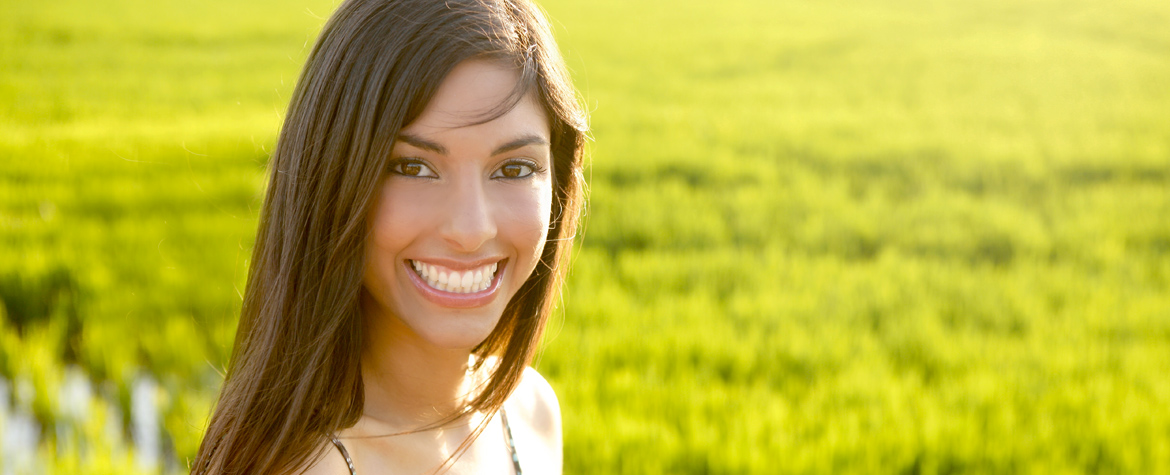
{"x": 393, "y": 222}
{"x": 526, "y": 219}
{"x": 397, "y": 216}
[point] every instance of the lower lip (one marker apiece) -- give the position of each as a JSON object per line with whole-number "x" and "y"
{"x": 454, "y": 300}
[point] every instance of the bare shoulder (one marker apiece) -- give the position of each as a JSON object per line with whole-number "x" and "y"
{"x": 328, "y": 461}
{"x": 536, "y": 399}
{"x": 535, "y": 419}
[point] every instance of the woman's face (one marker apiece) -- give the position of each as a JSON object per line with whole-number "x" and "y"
{"x": 463, "y": 213}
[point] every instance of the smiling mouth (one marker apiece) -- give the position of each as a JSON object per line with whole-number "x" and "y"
{"x": 458, "y": 282}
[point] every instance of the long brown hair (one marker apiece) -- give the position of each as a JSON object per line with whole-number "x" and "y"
{"x": 294, "y": 375}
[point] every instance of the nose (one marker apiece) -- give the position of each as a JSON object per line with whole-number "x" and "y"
{"x": 470, "y": 223}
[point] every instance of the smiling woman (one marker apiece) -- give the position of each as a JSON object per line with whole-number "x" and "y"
{"x": 424, "y": 193}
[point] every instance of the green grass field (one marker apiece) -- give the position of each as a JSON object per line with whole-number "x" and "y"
{"x": 896, "y": 236}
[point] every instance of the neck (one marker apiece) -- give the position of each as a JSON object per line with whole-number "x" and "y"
{"x": 409, "y": 383}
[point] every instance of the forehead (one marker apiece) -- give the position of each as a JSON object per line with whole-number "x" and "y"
{"x": 473, "y": 91}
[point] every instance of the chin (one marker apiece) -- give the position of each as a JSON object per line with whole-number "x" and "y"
{"x": 457, "y": 334}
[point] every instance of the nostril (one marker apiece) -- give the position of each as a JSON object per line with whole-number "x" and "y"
{"x": 470, "y": 228}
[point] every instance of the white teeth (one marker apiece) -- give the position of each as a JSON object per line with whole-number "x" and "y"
{"x": 474, "y": 280}
{"x": 465, "y": 282}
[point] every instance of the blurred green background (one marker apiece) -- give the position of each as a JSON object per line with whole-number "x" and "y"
{"x": 841, "y": 236}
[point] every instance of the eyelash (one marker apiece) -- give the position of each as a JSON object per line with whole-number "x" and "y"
{"x": 533, "y": 166}
{"x": 395, "y": 168}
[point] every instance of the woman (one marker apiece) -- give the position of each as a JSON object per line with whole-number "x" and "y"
{"x": 424, "y": 193}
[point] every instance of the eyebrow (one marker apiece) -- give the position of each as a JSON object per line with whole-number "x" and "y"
{"x": 524, "y": 141}
{"x": 519, "y": 143}
{"x": 419, "y": 142}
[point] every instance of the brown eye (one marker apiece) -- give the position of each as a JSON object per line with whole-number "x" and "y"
{"x": 515, "y": 170}
{"x": 412, "y": 168}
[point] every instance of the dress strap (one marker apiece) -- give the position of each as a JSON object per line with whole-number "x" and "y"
{"x": 344, "y": 453}
{"x": 507, "y": 437}
{"x": 511, "y": 443}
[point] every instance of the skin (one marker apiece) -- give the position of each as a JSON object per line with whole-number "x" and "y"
{"x": 458, "y": 196}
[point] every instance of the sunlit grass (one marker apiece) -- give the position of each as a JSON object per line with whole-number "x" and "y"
{"x": 899, "y": 236}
